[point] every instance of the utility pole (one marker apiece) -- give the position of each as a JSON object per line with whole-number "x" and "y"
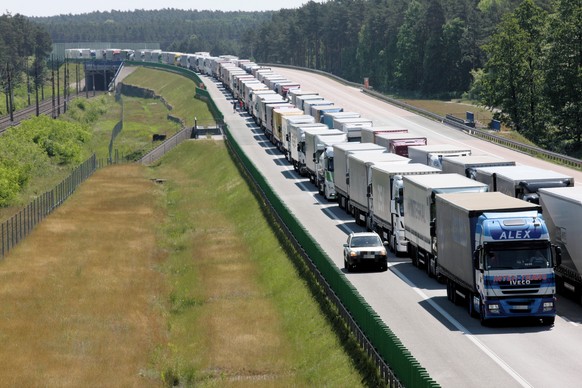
{"x": 53, "y": 85}
{"x": 10, "y": 97}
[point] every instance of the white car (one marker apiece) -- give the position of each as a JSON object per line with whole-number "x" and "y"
{"x": 365, "y": 248}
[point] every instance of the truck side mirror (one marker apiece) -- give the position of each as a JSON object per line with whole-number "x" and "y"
{"x": 476, "y": 259}
{"x": 557, "y": 256}
{"x": 432, "y": 228}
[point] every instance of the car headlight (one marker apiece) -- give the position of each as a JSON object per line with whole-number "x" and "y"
{"x": 353, "y": 253}
{"x": 382, "y": 252}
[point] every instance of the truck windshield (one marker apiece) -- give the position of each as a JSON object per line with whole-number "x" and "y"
{"x": 519, "y": 258}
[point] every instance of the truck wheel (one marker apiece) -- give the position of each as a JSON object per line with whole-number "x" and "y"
{"x": 346, "y": 265}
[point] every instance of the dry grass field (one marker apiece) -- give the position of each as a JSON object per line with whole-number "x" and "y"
{"x": 81, "y": 300}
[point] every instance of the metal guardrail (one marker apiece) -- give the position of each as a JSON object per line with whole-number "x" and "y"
{"x": 482, "y": 134}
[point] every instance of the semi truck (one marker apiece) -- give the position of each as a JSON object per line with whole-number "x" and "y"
{"x": 399, "y": 143}
{"x": 368, "y": 134}
{"x": 267, "y": 120}
{"x": 293, "y": 93}
{"x": 324, "y": 163}
{"x": 277, "y": 125}
{"x": 318, "y": 111}
{"x": 467, "y": 165}
{"x": 359, "y": 180}
{"x": 328, "y": 118}
{"x": 286, "y": 122}
{"x": 297, "y": 144}
{"x": 563, "y": 214}
{"x": 431, "y": 155}
{"x": 352, "y": 126}
{"x": 312, "y": 146}
{"x": 419, "y": 206}
{"x": 300, "y": 100}
{"x": 521, "y": 182}
{"x": 387, "y": 208}
{"x": 495, "y": 255}
{"x": 340, "y": 166}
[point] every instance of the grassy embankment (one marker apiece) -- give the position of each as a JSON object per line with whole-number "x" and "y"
{"x": 135, "y": 284}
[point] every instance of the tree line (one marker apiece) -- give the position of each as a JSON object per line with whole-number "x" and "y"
{"x": 24, "y": 48}
{"x": 521, "y": 58}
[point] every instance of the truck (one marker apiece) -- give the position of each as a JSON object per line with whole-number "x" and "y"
{"x": 255, "y": 98}
{"x": 309, "y": 103}
{"x": 328, "y": 118}
{"x": 431, "y": 155}
{"x": 286, "y": 122}
{"x": 495, "y": 255}
{"x": 387, "y": 208}
{"x": 368, "y": 134}
{"x": 297, "y": 145}
{"x": 312, "y": 145}
{"x": 324, "y": 163}
{"x": 419, "y": 206}
{"x": 300, "y": 100}
{"x": 260, "y": 108}
{"x": 277, "y": 123}
{"x": 521, "y": 182}
{"x": 340, "y": 166}
{"x": 352, "y": 127}
{"x": 359, "y": 180}
{"x": 269, "y": 110}
{"x": 467, "y": 165}
{"x": 562, "y": 209}
{"x": 318, "y": 111}
{"x": 293, "y": 93}
{"x": 399, "y": 143}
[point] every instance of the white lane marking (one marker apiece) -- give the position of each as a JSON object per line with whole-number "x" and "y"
{"x": 523, "y": 382}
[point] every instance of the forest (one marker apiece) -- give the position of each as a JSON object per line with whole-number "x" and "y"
{"x": 520, "y": 58}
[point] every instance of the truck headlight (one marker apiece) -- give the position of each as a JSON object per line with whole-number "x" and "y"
{"x": 548, "y": 306}
{"x": 494, "y": 308}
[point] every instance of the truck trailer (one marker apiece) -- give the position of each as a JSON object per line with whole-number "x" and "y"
{"x": 521, "y": 182}
{"x": 360, "y": 178}
{"x": 563, "y": 214}
{"x": 368, "y": 134}
{"x": 431, "y": 155}
{"x": 324, "y": 163}
{"x": 311, "y": 148}
{"x": 467, "y": 165}
{"x": 419, "y": 205}
{"x": 387, "y": 208}
{"x": 399, "y": 143}
{"x": 340, "y": 165}
{"x": 286, "y": 122}
{"x": 495, "y": 255}
{"x": 297, "y": 144}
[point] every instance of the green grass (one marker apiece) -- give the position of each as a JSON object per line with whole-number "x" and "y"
{"x": 236, "y": 293}
{"x": 177, "y": 90}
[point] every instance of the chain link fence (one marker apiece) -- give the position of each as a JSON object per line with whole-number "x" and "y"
{"x": 20, "y": 225}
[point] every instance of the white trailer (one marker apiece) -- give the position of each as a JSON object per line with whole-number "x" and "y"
{"x": 300, "y": 100}
{"x": 312, "y": 146}
{"x": 324, "y": 163}
{"x": 399, "y": 142}
{"x": 522, "y": 182}
{"x": 297, "y": 144}
{"x": 340, "y": 166}
{"x": 286, "y": 122}
{"x": 386, "y": 192}
{"x": 467, "y": 165}
{"x": 369, "y": 133}
{"x": 431, "y": 155}
{"x": 562, "y": 209}
{"x": 360, "y": 179}
{"x": 419, "y": 207}
{"x": 293, "y": 93}
{"x": 328, "y": 118}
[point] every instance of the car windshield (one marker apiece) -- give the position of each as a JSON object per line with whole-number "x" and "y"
{"x": 365, "y": 241}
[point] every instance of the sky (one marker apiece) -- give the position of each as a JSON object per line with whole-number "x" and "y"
{"x": 57, "y": 7}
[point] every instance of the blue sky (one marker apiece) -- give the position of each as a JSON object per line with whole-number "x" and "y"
{"x": 56, "y": 7}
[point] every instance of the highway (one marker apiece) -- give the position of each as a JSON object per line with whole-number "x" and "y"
{"x": 454, "y": 348}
